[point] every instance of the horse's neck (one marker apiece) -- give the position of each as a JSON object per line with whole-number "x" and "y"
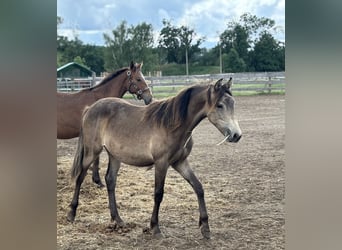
{"x": 196, "y": 112}
{"x": 114, "y": 88}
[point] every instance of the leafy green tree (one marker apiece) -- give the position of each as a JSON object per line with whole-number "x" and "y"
{"x": 232, "y": 62}
{"x": 236, "y": 37}
{"x": 90, "y": 56}
{"x": 243, "y": 34}
{"x": 93, "y": 56}
{"x": 169, "y": 42}
{"x": 129, "y": 43}
{"x": 69, "y": 49}
{"x": 141, "y": 43}
{"x": 268, "y": 54}
{"x": 174, "y": 42}
{"x": 207, "y": 57}
{"x": 80, "y": 60}
{"x": 117, "y": 48}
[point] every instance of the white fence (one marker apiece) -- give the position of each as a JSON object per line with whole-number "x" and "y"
{"x": 68, "y": 85}
{"x": 248, "y": 81}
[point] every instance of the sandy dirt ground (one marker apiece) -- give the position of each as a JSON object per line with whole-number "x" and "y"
{"x": 244, "y": 186}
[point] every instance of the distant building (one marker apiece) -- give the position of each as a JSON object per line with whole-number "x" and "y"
{"x": 74, "y": 77}
{"x": 74, "y": 70}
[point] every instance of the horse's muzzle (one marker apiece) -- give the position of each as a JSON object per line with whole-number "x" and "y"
{"x": 146, "y": 95}
{"x": 147, "y": 99}
{"x": 234, "y": 138}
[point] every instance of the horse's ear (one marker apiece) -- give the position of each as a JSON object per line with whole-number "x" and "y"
{"x": 132, "y": 65}
{"x": 229, "y": 84}
{"x": 139, "y": 65}
{"x": 218, "y": 84}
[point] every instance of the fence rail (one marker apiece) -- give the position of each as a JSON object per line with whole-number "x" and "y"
{"x": 250, "y": 81}
{"x": 67, "y": 85}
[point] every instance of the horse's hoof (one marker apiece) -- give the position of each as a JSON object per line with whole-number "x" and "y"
{"x": 118, "y": 223}
{"x": 156, "y": 233}
{"x": 98, "y": 182}
{"x": 158, "y": 236}
{"x": 71, "y": 216}
{"x": 121, "y": 224}
{"x": 100, "y": 185}
{"x": 205, "y": 232}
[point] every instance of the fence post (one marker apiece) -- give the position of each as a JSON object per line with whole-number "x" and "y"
{"x": 67, "y": 85}
{"x": 269, "y": 85}
{"x": 151, "y": 85}
{"x": 94, "y": 79}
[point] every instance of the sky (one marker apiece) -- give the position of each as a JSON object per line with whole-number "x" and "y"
{"x": 90, "y": 19}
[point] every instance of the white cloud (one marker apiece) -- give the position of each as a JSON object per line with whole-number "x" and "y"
{"x": 206, "y": 17}
{"x": 110, "y": 5}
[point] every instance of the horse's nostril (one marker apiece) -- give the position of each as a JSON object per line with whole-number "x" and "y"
{"x": 236, "y": 137}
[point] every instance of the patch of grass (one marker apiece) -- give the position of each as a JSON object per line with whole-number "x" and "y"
{"x": 160, "y": 92}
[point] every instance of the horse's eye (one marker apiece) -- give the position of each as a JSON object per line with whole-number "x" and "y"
{"x": 220, "y": 106}
{"x": 139, "y": 80}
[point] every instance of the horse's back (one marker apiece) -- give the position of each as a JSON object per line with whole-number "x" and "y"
{"x": 112, "y": 110}
{"x": 114, "y": 106}
{"x": 68, "y": 116}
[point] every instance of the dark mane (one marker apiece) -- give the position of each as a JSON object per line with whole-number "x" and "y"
{"x": 172, "y": 112}
{"x": 108, "y": 78}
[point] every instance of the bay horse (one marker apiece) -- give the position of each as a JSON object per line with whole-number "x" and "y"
{"x": 157, "y": 134}
{"x": 70, "y": 105}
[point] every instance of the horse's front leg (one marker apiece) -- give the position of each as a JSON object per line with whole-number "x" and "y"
{"x": 96, "y": 176}
{"x": 160, "y": 174}
{"x": 184, "y": 169}
{"x": 112, "y": 171}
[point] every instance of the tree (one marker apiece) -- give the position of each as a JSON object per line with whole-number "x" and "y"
{"x": 243, "y": 34}
{"x": 90, "y": 56}
{"x": 207, "y": 57}
{"x": 232, "y": 62}
{"x": 93, "y": 56}
{"x": 129, "y": 43}
{"x": 142, "y": 41}
{"x": 169, "y": 42}
{"x": 268, "y": 54}
{"x": 117, "y": 48}
{"x": 238, "y": 38}
{"x": 68, "y": 49}
{"x": 174, "y": 42}
{"x": 80, "y": 61}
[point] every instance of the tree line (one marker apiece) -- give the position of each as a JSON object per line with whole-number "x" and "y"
{"x": 246, "y": 45}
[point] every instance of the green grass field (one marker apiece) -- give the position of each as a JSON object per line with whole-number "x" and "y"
{"x": 160, "y": 92}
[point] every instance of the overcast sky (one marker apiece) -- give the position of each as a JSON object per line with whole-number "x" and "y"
{"x": 89, "y": 19}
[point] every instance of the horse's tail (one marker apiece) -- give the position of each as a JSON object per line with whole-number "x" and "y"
{"x": 78, "y": 160}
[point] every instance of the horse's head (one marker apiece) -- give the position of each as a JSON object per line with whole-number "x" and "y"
{"x": 221, "y": 110}
{"x": 137, "y": 84}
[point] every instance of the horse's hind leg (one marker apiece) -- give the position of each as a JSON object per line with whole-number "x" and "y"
{"x": 74, "y": 203}
{"x": 87, "y": 158}
{"x": 184, "y": 169}
{"x": 96, "y": 176}
{"x": 112, "y": 171}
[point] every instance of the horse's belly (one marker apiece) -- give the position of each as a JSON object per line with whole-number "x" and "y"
{"x": 131, "y": 156}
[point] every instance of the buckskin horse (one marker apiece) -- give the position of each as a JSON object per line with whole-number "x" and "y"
{"x": 157, "y": 134}
{"x": 70, "y": 105}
